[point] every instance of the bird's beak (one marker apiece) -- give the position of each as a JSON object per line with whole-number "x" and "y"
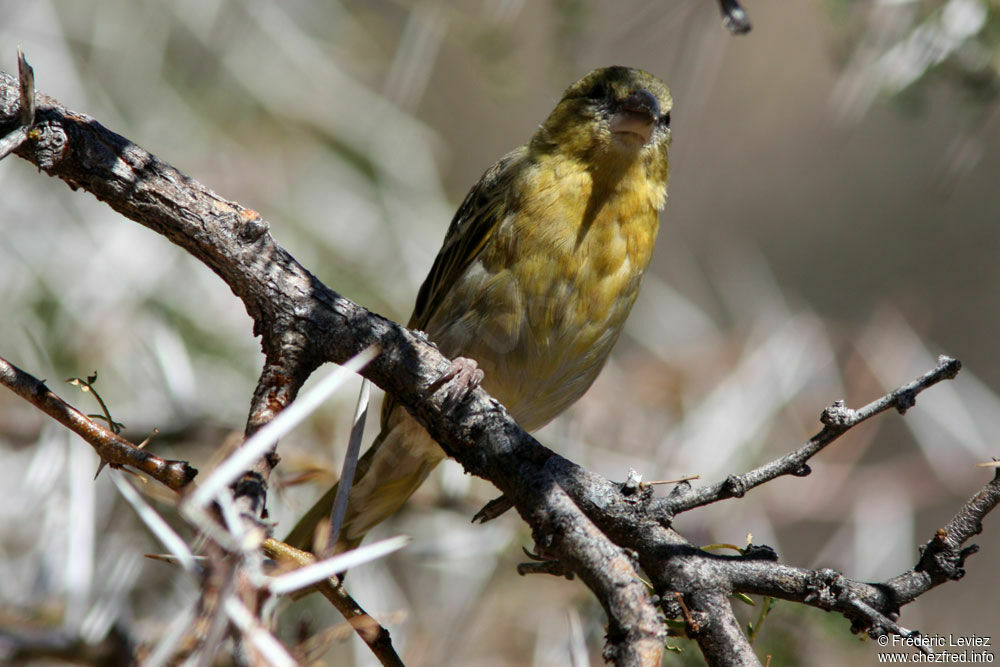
{"x": 637, "y": 115}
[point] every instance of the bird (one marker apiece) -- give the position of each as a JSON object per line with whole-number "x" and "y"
{"x": 538, "y": 271}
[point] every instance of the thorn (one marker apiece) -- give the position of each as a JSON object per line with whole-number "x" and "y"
{"x": 692, "y": 624}
{"x": 534, "y": 556}
{"x": 679, "y": 480}
{"x": 172, "y": 559}
{"x": 145, "y": 442}
{"x": 492, "y": 509}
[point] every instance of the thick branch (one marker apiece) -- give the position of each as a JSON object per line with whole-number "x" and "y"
{"x": 717, "y": 631}
{"x": 110, "y": 446}
{"x": 302, "y": 324}
{"x": 635, "y": 635}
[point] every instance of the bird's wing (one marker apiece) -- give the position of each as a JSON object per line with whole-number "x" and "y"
{"x": 470, "y": 230}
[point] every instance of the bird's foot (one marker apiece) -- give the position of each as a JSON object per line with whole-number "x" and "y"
{"x": 462, "y": 377}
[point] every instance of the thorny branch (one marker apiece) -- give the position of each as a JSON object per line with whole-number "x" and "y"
{"x": 601, "y": 531}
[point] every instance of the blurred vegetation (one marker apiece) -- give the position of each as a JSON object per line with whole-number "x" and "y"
{"x": 907, "y": 48}
{"x": 818, "y": 244}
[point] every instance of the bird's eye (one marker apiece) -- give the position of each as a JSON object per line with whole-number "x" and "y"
{"x": 665, "y": 119}
{"x": 598, "y": 92}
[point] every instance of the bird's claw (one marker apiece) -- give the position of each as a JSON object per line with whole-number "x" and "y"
{"x": 543, "y": 564}
{"x": 493, "y": 509}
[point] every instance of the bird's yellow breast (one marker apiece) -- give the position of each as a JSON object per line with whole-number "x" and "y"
{"x": 546, "y": 299}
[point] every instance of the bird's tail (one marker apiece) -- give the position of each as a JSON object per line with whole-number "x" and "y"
{"x": 398, "y": 461}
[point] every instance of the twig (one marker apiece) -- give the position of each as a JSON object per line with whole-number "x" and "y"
{"x": 943, "y": 557}
{"x": 878, "y": 623}
{"x": 837, "y": 420}
{"x": 308, "y": 576}
{"x": 111, "y": 447}
{"x": 370, "y": 631}
{"x": 766, "y": 605}
{"x": 87, "y": 386}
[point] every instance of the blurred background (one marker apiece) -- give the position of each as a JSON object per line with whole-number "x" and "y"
{"x": 831, "y": 228}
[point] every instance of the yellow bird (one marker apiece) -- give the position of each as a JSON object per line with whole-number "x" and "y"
{"x": 537, "y": 273}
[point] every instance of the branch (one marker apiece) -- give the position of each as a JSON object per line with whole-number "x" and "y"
{"x": 111, "y": 447}
{"x": 634, "y": 519}
{"x": 719, "y": 635}
{"x": 871, "y": 606}
{"x": 837, "y": 420}
{"x": 593, "y": 527}
{"x": 302, "y": 324}
{"x": 943, "y": 558}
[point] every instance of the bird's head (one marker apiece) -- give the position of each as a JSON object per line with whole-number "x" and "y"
{"x": 612, "y": 115}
